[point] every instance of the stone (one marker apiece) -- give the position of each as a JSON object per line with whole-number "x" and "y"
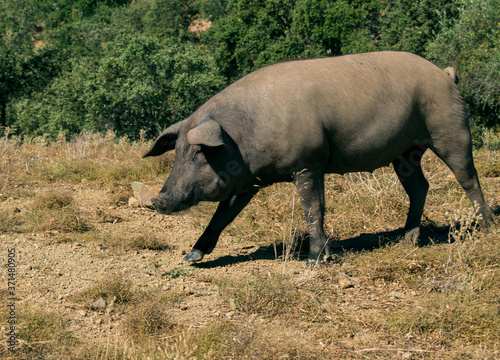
{"x": 99, "y": 304}
{"x": 345, "y": 284}
{"x": 397, "y": 294}
{"x": 134, "y": 202}
{"x": 144, "y": 193}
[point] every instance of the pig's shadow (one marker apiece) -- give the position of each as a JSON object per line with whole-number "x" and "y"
{"x": 430, "y": 234}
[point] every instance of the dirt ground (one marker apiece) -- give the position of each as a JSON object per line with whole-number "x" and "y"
{"x": 244, "y": 300}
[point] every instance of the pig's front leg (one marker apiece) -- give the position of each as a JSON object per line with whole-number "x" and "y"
{"x": 311, "y": 189}
{"x": 225, "y": 214}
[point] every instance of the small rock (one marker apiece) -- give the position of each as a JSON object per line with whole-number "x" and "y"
{"x": 144, "y": 193}
{"x": 187, "y": 291}
{"x": 82, "y": 313}
{"x": 98, "y": 304}
{"x": 134, "y": 202}
{"x": 230, "y": 314}
{"x": 397, "y": 294}
{"x": 345, "y": 284}
{"x": 233, "y": 303}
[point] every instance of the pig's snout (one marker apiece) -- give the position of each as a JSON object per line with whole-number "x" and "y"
{"x": 161, "y": 206}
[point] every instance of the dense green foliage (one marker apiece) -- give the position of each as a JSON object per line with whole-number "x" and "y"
{"x": 73, "y": 65}
{"x": 138, "y": 83}
{"x": 472, "y": 44}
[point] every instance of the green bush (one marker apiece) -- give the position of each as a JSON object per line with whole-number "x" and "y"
{"x": 139, "y": 83}
{"x": 471, "y": 44}
{"x": 253, "y": 34}
{"x": 408, "y": 25}
{"x": 122, "y": 65}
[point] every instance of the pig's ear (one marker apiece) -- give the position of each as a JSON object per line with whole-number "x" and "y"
{"x": 166, "y": 140}
{"x": 208, "y": 133}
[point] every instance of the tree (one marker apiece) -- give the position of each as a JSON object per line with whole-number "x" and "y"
{"x": 256, "y": 33}
{"x": 139, "y": 83}
{"x": 408, "y": 25}
{"x": 126, "y": 65}
{"x": 329, "y": 28}
{"x": 251, "y": 35}
{"x": 471, "y": 44}
{"x": 20, "y": 28}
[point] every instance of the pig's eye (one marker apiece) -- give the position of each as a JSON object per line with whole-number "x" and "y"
{"x": 198, "y": 154}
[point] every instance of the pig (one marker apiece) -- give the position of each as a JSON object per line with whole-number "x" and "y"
{"x": 296, "y": 121}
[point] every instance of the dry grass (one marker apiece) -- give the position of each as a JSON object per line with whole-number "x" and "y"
{"x": 117, "y": 288}
{"x": 42, "y": 331}
{"x": 9, "y": 218}
{"x": 49, "y": 211}
{"x": 50, "y": 199}
{"x": 271, "y": 295}
{"x": 456, "y": 287}
{"x": 251, "y": 340}
{"x": 147, "y": 319}
{"x": 89, "y": 157}
{"x": 251, "y": 298}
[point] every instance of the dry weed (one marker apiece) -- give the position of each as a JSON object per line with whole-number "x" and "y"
{"x": 123, "y": 239}
{"x": 364, "y": 202}
{"x": 114, "y": 287}
{"x": 42, "y": 333}
{"x": 50, "y": 211}
{"x": 275, "y": 214}
{"x": 146, "y": 241}
{"x": 52, "y": 199}
{"x": 119, "y": 194}
{"x": 10, "y": 219}
{"x": 252, "y": 339}
{"x": 54, "y": 211}
{"x": 8, "y": 148}
{"x": 92, "y": 157}
{"x": 444, "y": 302}
{"x": 461, "y": 305}
{"x": 147, "y": 318}
{"x": 270, "y": 295}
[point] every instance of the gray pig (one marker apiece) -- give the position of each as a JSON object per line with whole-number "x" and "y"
{"x": 298, "y": 120}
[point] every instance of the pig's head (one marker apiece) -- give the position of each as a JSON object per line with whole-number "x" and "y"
{"x": 207, "y": 165}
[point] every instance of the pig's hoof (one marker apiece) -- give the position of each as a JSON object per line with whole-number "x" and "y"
{"x": 313, "y": 263}
{"x": 194, "y": 256}
{"x": 413, "y": 236}
{"x": 319, "y": 260}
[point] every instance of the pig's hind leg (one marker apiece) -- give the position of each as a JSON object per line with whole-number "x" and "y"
{"x": 409, "y": 171}
{"x": 457, "y": 154}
